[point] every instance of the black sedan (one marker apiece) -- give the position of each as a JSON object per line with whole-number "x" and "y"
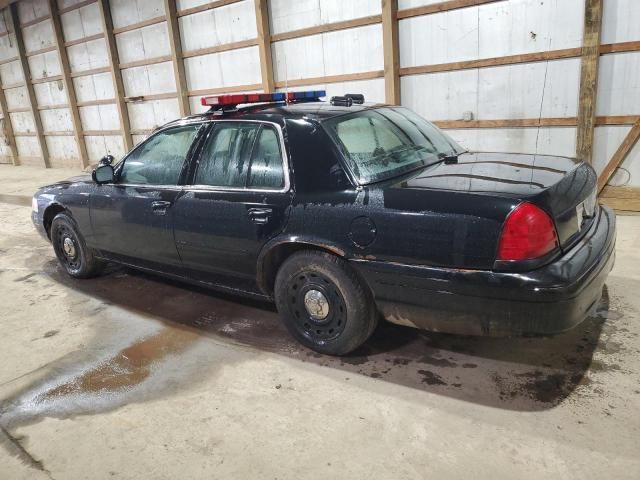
{"x": 343, "y": 212}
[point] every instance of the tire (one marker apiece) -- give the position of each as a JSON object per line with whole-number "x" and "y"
{"x": 338, "y": 321}
{"x": 71, "y": 249}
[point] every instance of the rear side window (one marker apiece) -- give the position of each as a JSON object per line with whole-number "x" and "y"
{"x": 241, "y": 155}
{"x": 225, "y": 159}
{"x": 265, "y": 169}
{"x": 159, "y": 160}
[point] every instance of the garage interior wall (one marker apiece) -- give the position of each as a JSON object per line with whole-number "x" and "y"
{"x": 497, "y": 74}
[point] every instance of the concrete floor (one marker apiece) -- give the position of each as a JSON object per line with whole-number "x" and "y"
{"x": 131, "y": 376}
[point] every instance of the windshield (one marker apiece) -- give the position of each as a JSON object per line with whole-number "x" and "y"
{"x": 387, "y": 142}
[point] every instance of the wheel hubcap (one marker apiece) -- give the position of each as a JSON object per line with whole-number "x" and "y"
{"x": 316, "y": 304}
{"x": 69, "y": 247}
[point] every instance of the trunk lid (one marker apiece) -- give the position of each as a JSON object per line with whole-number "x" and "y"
{"x": 564, "y": 187}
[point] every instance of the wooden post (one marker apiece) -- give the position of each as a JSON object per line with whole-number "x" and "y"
{"x": 589, "y": 79}
{"x": 264, "y": 45}
{"x": 33, "y": 104}
{"x": 623, "y": 150}
{"x": 116, "y": 75}
{"x": 391, "y": 51}
{"x": 8, "y": 129}
{"x": 63, "y": 58}
{"x": 173, "y": 28}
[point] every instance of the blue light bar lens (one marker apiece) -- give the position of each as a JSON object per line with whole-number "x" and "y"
{"x": 278, "y": 97}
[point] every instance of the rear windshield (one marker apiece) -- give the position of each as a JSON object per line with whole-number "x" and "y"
{"x": 386, "y": 142}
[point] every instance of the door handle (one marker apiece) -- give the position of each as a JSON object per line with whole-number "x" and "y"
{"x": 159, "y": 207}
{"x": 259, "y": 216}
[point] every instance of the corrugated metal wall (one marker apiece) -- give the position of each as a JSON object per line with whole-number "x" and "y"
{"x": 220, "y": 52}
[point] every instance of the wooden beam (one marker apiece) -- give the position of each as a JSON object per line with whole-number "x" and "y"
{"x": 508, "y": 123}
{"x": 442, "y": 7}
{"x": 621, "y": 198}
{"x": 78, "y": 41}
{"x": 493, "y": 62}
{"x": 76, "y": 6}
{"x": 391, "y": 48}
{"x": 617, "y": 120}
{"x": 146, "y": 61}
{"x": 93, "y": 71}
{"x": 151, "y": 96}
{"x": 136, "y": 26}
{"x": 264, "y": 45}
{"x": 104, "y": 101}
{"x": 589, "y": 79}
{"x": 116, "y": 75}
{"x": 173, "y": 28}
{"x": 7, "y": 129}
{"x": 220, "y": 48}
{"x": 63, "y": 58}
{"x": 616, "y": 160}
{"x": 34, "y": 21}
{"x": 327, "y": 27}
{"x": 216, "y": 90}
{"x": 37, "y": 121}
{"x": 55, "y": 78}
{"x": 206, "y": 6}
{"x": 330, "y": 79}
{"x": 619, "y": 47}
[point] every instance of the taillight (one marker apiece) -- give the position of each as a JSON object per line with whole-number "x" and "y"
{"x": 528, "y": 233}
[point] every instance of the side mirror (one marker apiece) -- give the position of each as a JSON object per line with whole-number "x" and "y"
{"x": 106, "y": 160}
{"x": 103, "y": 174}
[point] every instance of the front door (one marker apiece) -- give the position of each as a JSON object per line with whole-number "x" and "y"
{"x": 238, "y": 200}
{"x": 132, "y": 218}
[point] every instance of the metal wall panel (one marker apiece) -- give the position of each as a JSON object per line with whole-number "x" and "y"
{"x": 227, "y": 24}
{"x": 344, "y": 51}
{"x": 286, "y": 15}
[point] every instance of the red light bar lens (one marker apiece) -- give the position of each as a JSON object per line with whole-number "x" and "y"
{"x": 221, "y": 100}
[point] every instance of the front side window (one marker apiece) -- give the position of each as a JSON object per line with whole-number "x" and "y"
{"x": 387, "y": 142}
{"x": 159, "y": 160}
{"x": 241, "y": 155}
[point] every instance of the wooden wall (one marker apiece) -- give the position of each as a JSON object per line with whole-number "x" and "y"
{"x": 85, "y": 78}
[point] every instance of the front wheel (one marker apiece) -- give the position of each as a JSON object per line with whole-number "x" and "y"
{"x": 323, "y": 303}
{"x": 73, "y": 254}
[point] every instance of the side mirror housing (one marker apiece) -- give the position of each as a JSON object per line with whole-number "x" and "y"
{"x": 106, "y": 160}
{"x": 103, "y": 174}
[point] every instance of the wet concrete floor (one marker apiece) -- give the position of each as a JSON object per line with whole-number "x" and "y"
{"x": 86, "y": 361}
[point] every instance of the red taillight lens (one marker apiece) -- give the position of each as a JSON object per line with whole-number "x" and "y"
{"x": 528, "y": 233}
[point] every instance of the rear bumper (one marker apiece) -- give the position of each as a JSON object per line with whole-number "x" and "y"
{"x": 548, "y": 300}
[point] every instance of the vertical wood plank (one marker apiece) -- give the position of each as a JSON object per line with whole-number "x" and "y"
{"x": 63, "y": 58}
{"x": 589, "y": 79}
{"x": 173, "y": 28}
{"x": 116, "y": 75}
{"x": 33, "y": 104}
{"x": 623, "y": 150}
{"x": 391, "y": 51}
{"x": 264, "y": 45}
{"x": 8, "y": 129}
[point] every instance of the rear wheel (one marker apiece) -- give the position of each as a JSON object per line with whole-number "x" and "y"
{"x": 323, "y": 303}
{"x": 71, "y": 250}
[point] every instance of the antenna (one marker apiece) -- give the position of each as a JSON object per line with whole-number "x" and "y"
{"x": 544, "y": 88}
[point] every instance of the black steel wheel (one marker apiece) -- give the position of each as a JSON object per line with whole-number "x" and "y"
{"x": 323, "y": 303}
{"x": 73, "y": 254}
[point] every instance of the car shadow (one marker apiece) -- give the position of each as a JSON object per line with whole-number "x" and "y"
{"x": 526, "y": 373}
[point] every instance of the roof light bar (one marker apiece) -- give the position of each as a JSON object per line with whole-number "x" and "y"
{"x": 236, "y": 99}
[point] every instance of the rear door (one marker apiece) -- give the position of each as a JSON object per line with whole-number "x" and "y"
{"x": 239, "y": 198}
{"x": 132, "y": 218}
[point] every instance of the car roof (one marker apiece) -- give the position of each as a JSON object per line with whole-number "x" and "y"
{"x": 278, "y": 112}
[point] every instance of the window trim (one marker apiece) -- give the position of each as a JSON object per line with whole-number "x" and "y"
{"x": 283, "y": 152}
